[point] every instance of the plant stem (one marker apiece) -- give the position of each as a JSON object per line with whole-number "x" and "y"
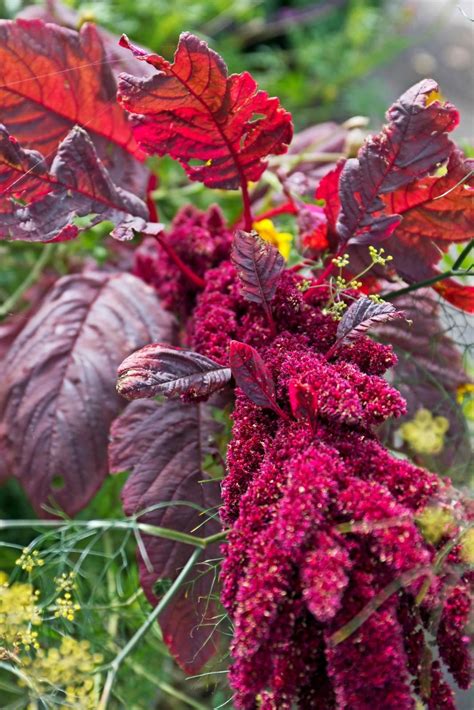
{"x": 248, "y": 221}
{"x": 421, "y": 284}
{"x": 184, "y": 268}
{"x": 130, "y": 645}
{"x": 286, "y": 208}
{"x": 40, "y": 263}
{"x": 329, "y": 267}
{"x": 463, "y": 255}
{"x": 165, "y": 533}
{"x": 164, "y": 686}
{"x": 215, "y": 538}
{"x": 348, "y": 629}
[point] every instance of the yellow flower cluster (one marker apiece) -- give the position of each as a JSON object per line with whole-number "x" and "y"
{"x": 377, "y": 256}
{"x": 66, "y": 607}
{"x": 29, "y": 560}
{"x": 467, "y": 547}
{"x": 465, "y": 397}
{"x": 425, "y": 433}
{"x": 69, "y": 669}
{"x": 435, "y": 522}
{"x": 376, "y": 298}
{"x": 341, "y": 261}
{"x": 335, "y": 310}
{"x": 19, "y": 611}
{"x": 282, "y": 240}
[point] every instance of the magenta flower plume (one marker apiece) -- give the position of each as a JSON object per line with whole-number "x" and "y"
{"x": 327, "y": 578}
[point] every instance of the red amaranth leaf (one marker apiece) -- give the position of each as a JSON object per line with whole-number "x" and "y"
{"x": 159, "y": 369}
{"x": 410, "y": 146}
{"x": 328, "y": 190}
{"x": 118, "y": 58}
{"x": 302, "y": 400}
{"x": 252, "y": 376}
{"x": 459, "y": 295}
{"x": 436, "y": 212}
{"x": 362, "y": 315}
{"x": 52, "y": 78}
{"x": 57, "y": 394}
{"x": 163, "y": 445}
{"x": 37, "y": 204}
{"x": 193, "y": 111}
{"x": 259, "y": 266}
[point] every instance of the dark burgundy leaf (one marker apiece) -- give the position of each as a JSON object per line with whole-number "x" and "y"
{"x": 117, "y": 58}
{"x": 37, "y": 204}
{"x": 57, "y": 393}
{"x": 309, "y": 162}
{"x": 164, "y": 446}
{"x": 193, "y": 111}
{"x": 436, "y": 212}
{"x": 252, "y": 375}
{"x": 429, "y": 372}
{"x": 412, "y": 144}
{"x": 259, "y": 266}
{"x": 362, "y": 315}
{"x": 302, "y": 400}
{"x": 52, "y": 78}
{"x": 159, "y": 369}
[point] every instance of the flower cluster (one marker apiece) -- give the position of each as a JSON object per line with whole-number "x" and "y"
{"x": 425, "y": 433}
{"x": 28, "y": 560}
{"x": 19, "y": 615}
{"x": 329, "y": 572}
{"x": 66, "y": 672}
{"x": 66, "y": 607}
{"x": 200, "y": 239}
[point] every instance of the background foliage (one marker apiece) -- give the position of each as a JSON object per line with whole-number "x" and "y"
{"x": 319, "y": 58}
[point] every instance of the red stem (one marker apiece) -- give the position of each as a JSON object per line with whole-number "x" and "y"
{"x": 150, "y": 203}
{"x": 330, "y": 266}
{"x": 248, "y": 221}
{"x": 286, "y": 208}
{"x": 185, "y": 270}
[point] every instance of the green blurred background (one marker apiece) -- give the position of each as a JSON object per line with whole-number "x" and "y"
{"x": 325, "y": 60}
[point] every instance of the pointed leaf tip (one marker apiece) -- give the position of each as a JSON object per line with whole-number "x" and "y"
{"x": 159, "y": 369}
{"x": 362, "y": 315}
{"x": 252, "y": 376}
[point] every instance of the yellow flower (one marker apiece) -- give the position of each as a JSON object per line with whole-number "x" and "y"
{"x": 29, "y": 560}
{"x": 424, "y": 433}
{"x": 463, "y": 390}
{"x": 465, "y": 397}
{"x": 434, "y": 522}
{"x": 68, "y": 668}
{"x": 66, "y": 582}
{"x": 19, "y": 611}
{"x": 268, "y": 232}
{"x": 467, "y": 547}
{"x": 66, "y": 607}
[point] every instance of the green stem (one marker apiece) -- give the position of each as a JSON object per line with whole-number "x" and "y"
{"x": 113, "y": 620}
{"x": 439, "y": 559}
{"x": 154, "y": 530}
{"x": 165, "y": 687}
{"x": 420, "y": 284}
{"x": 463, "y": 255}
{"x": 137, "y": 636}
{"x": 168, "y": 534}
{"x": 9, "y": 305}
{"x": 348, "y": 629}
{"x": 215, "y": 538}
